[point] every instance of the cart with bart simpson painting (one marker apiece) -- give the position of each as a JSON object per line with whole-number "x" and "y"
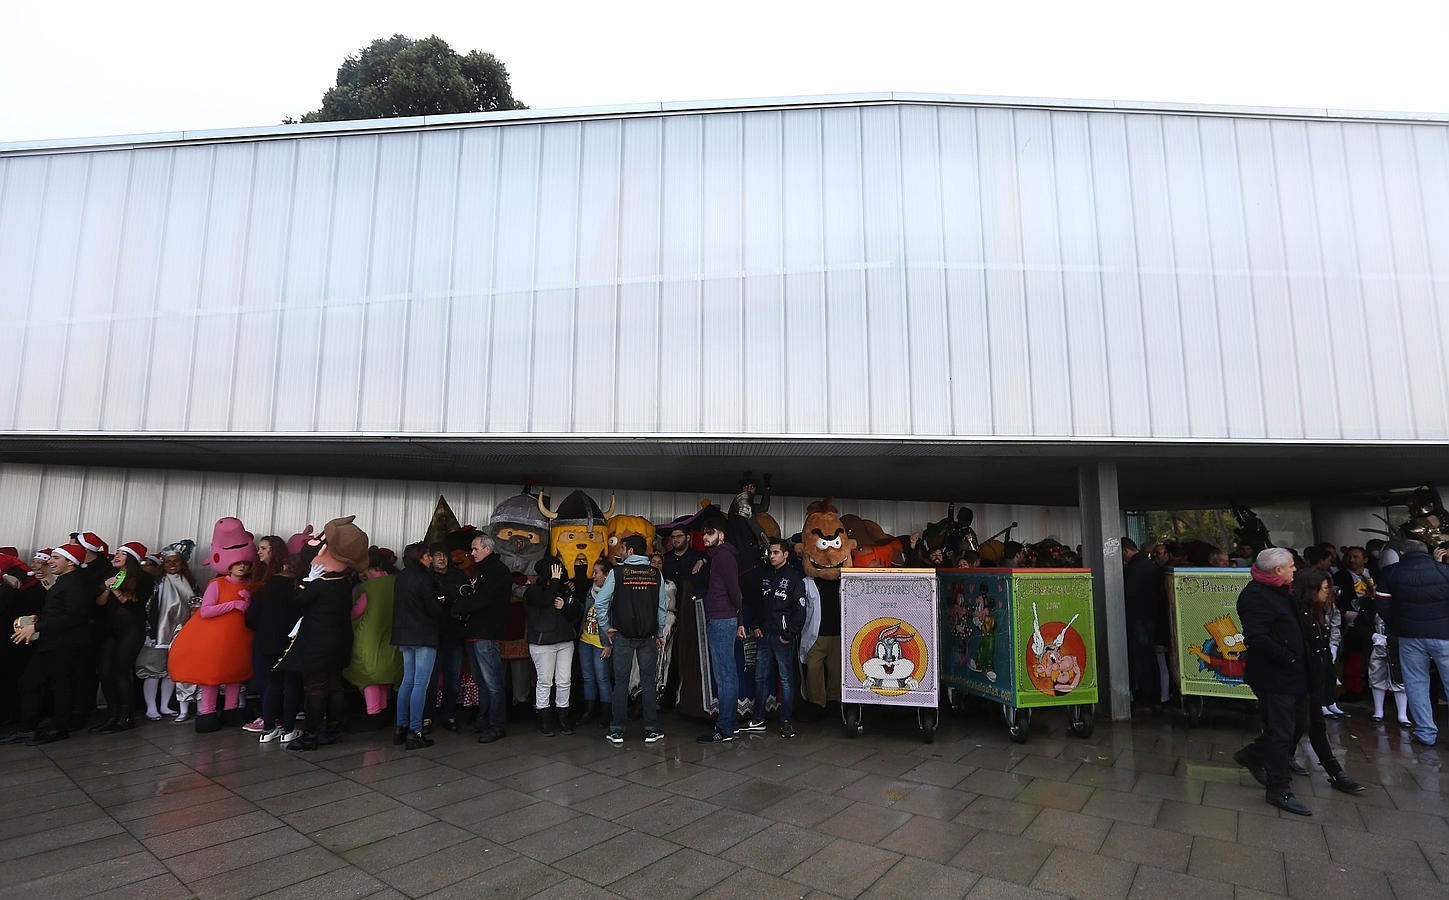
{"x": 1207, "y": 636}
{"x": 1023, "y": 638}
{"x": 888, "y": 645}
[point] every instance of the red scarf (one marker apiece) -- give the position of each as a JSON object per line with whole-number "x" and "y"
{"x": 1270, "y": 579}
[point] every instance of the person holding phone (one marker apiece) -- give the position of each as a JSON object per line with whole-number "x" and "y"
{"x": 552, "y": 612}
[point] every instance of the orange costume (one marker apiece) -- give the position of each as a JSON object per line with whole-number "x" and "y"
{"x": 217, "y": 648}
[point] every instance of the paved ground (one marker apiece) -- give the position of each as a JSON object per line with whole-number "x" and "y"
{"x": 1149, "y": 808}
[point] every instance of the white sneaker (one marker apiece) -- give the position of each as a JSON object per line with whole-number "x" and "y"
{"x": 266, "y": 737}
{"x": 290, "y": 736}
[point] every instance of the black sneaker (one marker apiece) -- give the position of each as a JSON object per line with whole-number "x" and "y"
{"x": 490, "y": 735}
{"x": 714, "y": 737}
{"x": 652, "y": 735}
{"x": 615, "y": 737}
{"x": 1285, "y": 801}
{"x": 787, "y": 730}
{"x": 754, "y": 724}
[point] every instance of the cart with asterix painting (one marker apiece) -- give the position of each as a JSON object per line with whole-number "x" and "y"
{"x": 888, "y": 645}
{"x": 1023, "y": 638}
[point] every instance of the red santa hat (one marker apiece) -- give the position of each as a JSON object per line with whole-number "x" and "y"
{"x": 93, "y": 542}
{"x": 73, "y": 552}
{"x": 134, "y": 549}
{"x": 43, "y": 554}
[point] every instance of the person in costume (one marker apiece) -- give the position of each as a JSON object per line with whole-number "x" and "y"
{"x": 215, "y": 647}
{"x": 126, "y": 595}
{"x": 824, "y": 550}
{"x": 271, "y": 617}
{"x": 322, "y": 639}
{"x": 376, "y": 664}
{"x": 520, "y": 536}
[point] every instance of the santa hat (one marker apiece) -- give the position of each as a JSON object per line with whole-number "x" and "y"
{"x": 91, "y": 541}
{"x": 43, "y": 554}
{"x": 231, "y": 543}
{"x": 154, "y": 559}
{"x": 134, "y": 549}
{"x": 73, "y": 552}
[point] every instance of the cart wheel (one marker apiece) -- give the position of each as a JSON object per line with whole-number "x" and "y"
{"x": 928, "y": 719}
{"x": 1084, "y": 718}
{"x": 1018, "y": 721}
{"x": 851, "y": 713}
{"x": 1193, "y": 707}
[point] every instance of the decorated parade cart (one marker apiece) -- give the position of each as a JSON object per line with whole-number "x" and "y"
{"x": 1207, "y": 638}
{"x": 888, "y": 644}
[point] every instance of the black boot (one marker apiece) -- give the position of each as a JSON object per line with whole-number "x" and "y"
{"x": 206, "y": 723}
{"x": 591, "y": 712}
{"x": 106, "y": 727}
{"x": 565, "y": 723}
{"x": 545, "y": 721}
{"x": 234, "y": 718}
{"x": 400, "y": 736}
{"x": 124, "y": 723}
{"x": 416, "y": 740}
{"x": 331, "y": 734}
{"x": 308, "y": 741}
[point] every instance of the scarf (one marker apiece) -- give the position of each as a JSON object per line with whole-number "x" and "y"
{"x": 1270, "y": 579}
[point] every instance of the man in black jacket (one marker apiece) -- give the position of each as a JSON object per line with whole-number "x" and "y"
{"x": 482, "y": 603}
{"x": 1145, "y": 603}
{"x": 1277, "y": 671}
{"x": 60, "y": 636}
{"x": 1413, "y": 600}
{"x": 782, "y": 618}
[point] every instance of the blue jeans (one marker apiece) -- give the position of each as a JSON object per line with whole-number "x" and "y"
{"x": 598, "y": 674}
{"x": 625, "y": 649}
{"x": 774, "y": 656}
{"x": 723, "y": 634}
{"x": 488, "y": 669}
{"x": 1415, "y": 655}
{"x": 412, "y": 695}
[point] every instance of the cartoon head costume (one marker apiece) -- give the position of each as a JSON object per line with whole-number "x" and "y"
{"x": 825, "y": 545}
{"x": 620, "y": 527}
{"x": 519, "y": 531}
{"x": 874, "y": 548}
{"x": 578, "y": 533}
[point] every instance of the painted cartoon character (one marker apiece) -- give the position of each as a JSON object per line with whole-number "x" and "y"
{"x": 1063, "y": 671}
{"x": 983, "y": 622}
{"x": 1223, "y": 653}
{"x": 959, "y": 617}
{"x": 889, "y": 669}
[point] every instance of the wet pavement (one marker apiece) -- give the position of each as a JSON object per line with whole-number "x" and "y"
{"x": 1149, "y": 808}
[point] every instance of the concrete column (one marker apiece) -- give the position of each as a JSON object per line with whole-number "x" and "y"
{"x": 1102, "y": 553}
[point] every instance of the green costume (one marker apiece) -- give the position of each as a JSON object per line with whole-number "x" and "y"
{"x": 374, "y": 659}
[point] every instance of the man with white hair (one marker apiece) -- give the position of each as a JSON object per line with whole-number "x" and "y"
{"x": 1277, "y": 671}
{"x": 1413, "y": 600}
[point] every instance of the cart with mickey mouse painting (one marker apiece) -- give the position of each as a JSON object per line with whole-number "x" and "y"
{"x": 1023, "y": 638}
{"x": 888, "y": 644}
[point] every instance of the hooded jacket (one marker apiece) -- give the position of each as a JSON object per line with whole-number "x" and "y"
{"x": 1417, "y": 592}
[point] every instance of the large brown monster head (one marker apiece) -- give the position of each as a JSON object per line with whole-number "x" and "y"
{"x": 824, "y": 546}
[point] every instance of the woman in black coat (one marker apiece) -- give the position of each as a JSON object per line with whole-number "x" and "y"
{"x": 1314, "y": 597}
{"x": 319, "y": 652}
{"x": 552, "y": 612}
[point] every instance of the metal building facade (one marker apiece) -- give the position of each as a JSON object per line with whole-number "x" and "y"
{"x": 912, "y": 267}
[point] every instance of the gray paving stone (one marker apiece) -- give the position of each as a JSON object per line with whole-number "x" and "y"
{"x": 1152, "y": 846}
{"x": 913, "y": 878}
{"x": 1152, "y": 883}
{"x": 683, "y": 873}
{"x": 777, "y": 849}
{"x": 1003, "y": 856}
{"x": 929, "y": 839}
{"x": 1251, "y": 867}
{"x": 622, "y": 856}
{"x": 843, "y": 868}
{"x": 1085, "y": 875}
{"x": 1064, "y": 828}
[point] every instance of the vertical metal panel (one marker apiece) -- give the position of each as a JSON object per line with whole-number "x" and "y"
{"x": 138, "y": 250}
{"x": 22, "y": 203}
{"x": 425, "y": 341}
{"x": 217, "y": 339}
{"x": 845, "y": 348}
{"x": 552, "y": 363}
{"x": 66, "y": 355}
{"x": 1357, "y": 397}
{"x": 1201, "y": 333}
{"x": 971, "y": 396}
{"x": 887, "y": 305}
{"x": 1156, "y": 278}
{"x": 722, "y": 328}
{"x": 296, "y": 387}
{"x": 106, "y": 374}
{"x": 1403, "y": 200}
{"x": 681, "y": 265}
{"x": 1088, "y": 385}
{"x": 1312, "y": 322}
{"x": 1048, "y": 361}
{"x": 636, "y": 362}
{"x": 803, "y": 254}
{"x": 1126, "y": 347}
{"x": 385, "y": 326}
{"x": 466, "y": 324}
{"x": 927, "y": 334}
{"x": 763, "y": 301}
{"x": 349, "y": 269}
{"x": 258, "y": 324}
{"x": 1383, "y": 320}
{"x": 512, "y": 320}
{"x": 1279, "y": 367}
{"x": 1431, "y": 148}
{"x": 1011, "y": 381}
{"x": 596, "y": 320}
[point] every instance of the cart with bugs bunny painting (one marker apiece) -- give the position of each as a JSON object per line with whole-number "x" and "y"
{"x": 888, "y": 645}
{"x": 1023, "y": 638}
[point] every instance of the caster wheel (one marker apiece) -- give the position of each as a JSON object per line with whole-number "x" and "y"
{"x": 1084, "y": 718}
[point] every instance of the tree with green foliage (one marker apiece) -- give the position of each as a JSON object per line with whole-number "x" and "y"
{"x": 399, "y": 76}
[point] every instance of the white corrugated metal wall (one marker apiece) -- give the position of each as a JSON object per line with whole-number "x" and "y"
{"x": 907, "y": 269}
{"x": 44, "y": 504}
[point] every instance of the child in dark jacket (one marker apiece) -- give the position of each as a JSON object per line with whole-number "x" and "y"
{"x": 782, "y": 617}
{"x": 552, "y": 610}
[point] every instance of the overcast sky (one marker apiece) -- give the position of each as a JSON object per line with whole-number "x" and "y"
{"x": 70, "y": 69}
